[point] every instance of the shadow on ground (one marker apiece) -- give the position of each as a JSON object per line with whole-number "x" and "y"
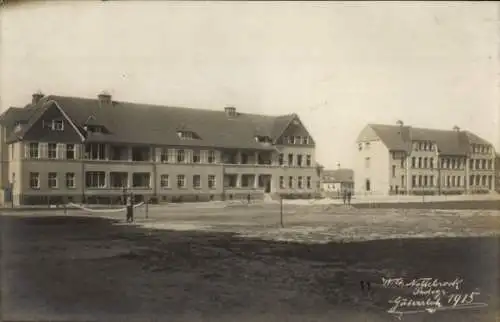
{"x": 84, "y": 268}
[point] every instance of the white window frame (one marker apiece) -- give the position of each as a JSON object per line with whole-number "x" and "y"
{"x": 300, "y": 183}
{"x": 52, "y": 180}
{"x": 196, "y": 183}
{"x": 181, "y": 181}
{"x": 70, "y": 147}
{"x": 181, "y": 156}
{"x": 34, "y": 150}
{"x": 282, "y": 182}
{"x": 165, "y": 181}
{"x": 70, "y": 180}
{"x": 54, "y": 145}
{"x": 35, "y": 180}
{"x": 212, "y": 181}
{"x": 196, "y": 153}
{"x": 164, "y": 155}
{"x": 308, "y": 182}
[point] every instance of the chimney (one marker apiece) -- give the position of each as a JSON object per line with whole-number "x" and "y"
{"x": 456, "y": 129}
{"x": 104, "y": 98}
{"x": 230, "y": 111}
{"x": 338, "y": 165}
{"x": 400, "y": 123}
{"x": 36, "y": 97}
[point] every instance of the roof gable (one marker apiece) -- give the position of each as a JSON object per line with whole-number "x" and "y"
{"x": 293, "y": 127}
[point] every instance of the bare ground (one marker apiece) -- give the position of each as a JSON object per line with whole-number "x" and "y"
{"x": 184, "y": 264}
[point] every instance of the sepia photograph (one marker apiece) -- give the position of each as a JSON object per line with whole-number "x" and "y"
{"x": 251, "y": 161}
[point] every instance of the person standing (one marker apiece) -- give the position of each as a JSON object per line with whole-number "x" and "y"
{"x": 344, "y": 196}
{"x": 349, "y": 195}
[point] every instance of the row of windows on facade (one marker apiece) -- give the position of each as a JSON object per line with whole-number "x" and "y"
{"x": 448, "y": 181}
{"x": 296, "y": 139}
{"x": 118, "y": 180}
{"x": 299, "y": 182}
{"x": 98, "y": 152}
{"x": 450, "y": 163}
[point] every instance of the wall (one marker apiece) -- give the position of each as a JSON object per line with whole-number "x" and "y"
{"x": 377, "y": 172}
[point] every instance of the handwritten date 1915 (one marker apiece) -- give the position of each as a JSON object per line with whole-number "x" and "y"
{"x": 462, "y": 299}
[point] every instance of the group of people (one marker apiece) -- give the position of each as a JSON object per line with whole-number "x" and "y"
{"x": 346, "y": 197}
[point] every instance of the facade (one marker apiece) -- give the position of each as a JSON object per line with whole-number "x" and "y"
{"x": 335, "y": 182}
{"x": 399, "y": 159}
{"x": 59, "y": 149}
{"x": 497, "y": 174}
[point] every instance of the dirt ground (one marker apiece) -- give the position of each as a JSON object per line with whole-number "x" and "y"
{"x": 237, "y": 264}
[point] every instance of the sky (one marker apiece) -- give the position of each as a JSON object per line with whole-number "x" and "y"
{"x": 337, "y": 65}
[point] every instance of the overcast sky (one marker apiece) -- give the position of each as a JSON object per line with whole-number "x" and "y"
{"x": 338, "y": 65}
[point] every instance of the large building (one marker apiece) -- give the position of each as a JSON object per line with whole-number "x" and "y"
{"x": 400, "y": 159}
{"x": 59, "y": 149}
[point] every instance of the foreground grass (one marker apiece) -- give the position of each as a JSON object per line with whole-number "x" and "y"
{"x": 71, "y": 268}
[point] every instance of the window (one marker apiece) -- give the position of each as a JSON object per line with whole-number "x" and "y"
{"x": 367, "y": 163}
{"x": 282, "y": 182}
{"x": 431, "y": 163}
{"x": 299, "y": 160}
{"x": 141, "y": 153}
{"x": 290, "y": 159}
{"x": 211, "y": 156}
{"x": 34, "y": 151}
{"x": 211, "y": 181}
{"x": 34, "y": 180}
{"x": 471, "y": 180}
{"x": 180, "y": 156}
{"x": 94, "y": 179}
{"x": 164, "y": 181}
{"x": 393, "y": 171}
{"x": 164, "y": 155}
{"x": 459, "y": 181}
{"x": 308, "y": 160}
{"x": 290, "y": 182}
{"x": 196, "y": 157}
{"x": 141, "y": 180}
{"x": 413, "y": 181}
{"x": 308, "y": 182}
{"x": 298, "y": 140}
{"x": 286, "y": 140}
{"x": 54, "y": 125}
{"x": 478, "y": 164}
{"x": 70, "y": 180}
{"x": 403, "y": 163}
{"x": 95, "y": 151}
{"x": 52, "y": 154}
{"x": 432, "y": 180}
{"x": 197, "y": 181}
{"x": 280, "y": 159}
{"x": 478, "y": 180}
{"x": 188, "y": 135}
{"x": 291, "y": 140}
{"x": 425, "y": 163}
{"x": 118, "y": 179}
{"x": 305, "y": 140}
{"x": 419, "y": 181}
{"x": 425, "y": 181}
{"x": 181, "y": 181}
{"x": 299, "y": 182}
{"x": 483, "y": 164}
{"x": 70, "y": 151}
{"x": 413, "y": 161}
{"x": 402, "y": 181}
{"x": 244, "y": 158}
{"x": 419, "y": 163}
{"x": 360, "y": 146}
{"x": 52, "y": 180}
{"x": 448, "y": 181}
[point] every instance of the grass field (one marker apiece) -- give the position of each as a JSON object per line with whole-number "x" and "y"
{"x": 236, "y": 263}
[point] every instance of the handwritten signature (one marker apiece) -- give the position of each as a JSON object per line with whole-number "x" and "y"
{"x": 430, "y": 295}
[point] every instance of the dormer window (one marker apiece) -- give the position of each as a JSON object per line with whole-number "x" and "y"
{"x": 263, "y": 139}
{"x": 95, "y": 129}
{"x": 54, "y": 125}
{"x": 187, "y": 135}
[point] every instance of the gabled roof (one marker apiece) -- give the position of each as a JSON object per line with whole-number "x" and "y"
{"x": 449, "y": 142}
{"x": 158, "y": 125}
{"x": 339, "y": 175}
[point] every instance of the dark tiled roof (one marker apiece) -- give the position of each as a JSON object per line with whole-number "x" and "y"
{"x": 158, "y": 125}
{"x": 339, "y": 175}
{"x": 449, "y": 142}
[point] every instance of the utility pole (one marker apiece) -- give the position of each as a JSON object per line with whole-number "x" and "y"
{"x": 281, "y": 211}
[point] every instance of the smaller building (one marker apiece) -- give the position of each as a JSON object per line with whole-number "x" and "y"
{"x": 335, "y": 182}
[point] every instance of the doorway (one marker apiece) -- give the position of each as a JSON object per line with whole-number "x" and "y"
{"x": 367, "y": 185}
